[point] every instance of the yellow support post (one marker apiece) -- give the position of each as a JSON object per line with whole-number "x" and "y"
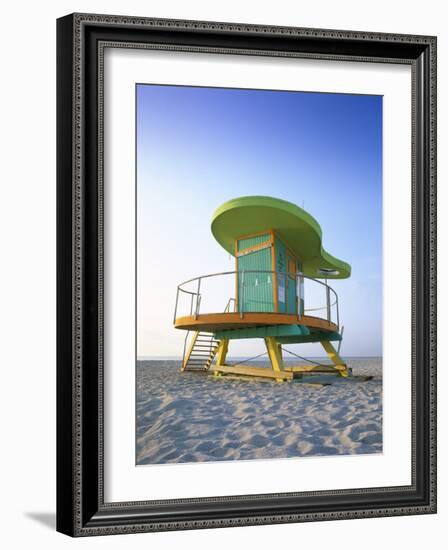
{"x": 335, "y": 358}
{"x": 222, "y": 353}
{"x": 280, "y": 350}
{"x": 275, "y": 355}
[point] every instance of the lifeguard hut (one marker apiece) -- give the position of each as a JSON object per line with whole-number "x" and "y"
{"x": 279, "y": 263}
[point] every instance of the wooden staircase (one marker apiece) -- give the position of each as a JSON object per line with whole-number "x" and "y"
{"x": 201, "y": 352}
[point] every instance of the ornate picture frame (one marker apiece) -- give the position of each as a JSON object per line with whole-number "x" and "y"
{"x": 81, "y": 506}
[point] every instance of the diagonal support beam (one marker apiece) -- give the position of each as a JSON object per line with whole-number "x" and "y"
{"x": 335, "y": 358}
{"x": 275, "y": 356}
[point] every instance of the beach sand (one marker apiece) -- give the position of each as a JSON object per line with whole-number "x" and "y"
{"x": 194, "y": 417}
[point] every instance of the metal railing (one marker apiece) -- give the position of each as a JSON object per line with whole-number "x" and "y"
{"x": 227, "y": 308}
{"x": 193, "y": 288}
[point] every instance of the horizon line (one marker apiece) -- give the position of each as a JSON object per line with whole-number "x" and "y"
{"x": 175, "y": 358}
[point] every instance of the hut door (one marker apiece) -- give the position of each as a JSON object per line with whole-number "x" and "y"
{"x": 291, "y": 284}
{"x": 255, "y": 289}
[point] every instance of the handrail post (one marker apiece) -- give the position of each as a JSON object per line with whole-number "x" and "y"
{"x": 337, "y": 308}
{"x": 175, "y": 307}
{"x": 328, "y": 304}
{"x": 242, "y": 295}
{"x": 198, "y": 299}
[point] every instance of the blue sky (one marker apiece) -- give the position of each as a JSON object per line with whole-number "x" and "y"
{"x": 198, "y": 147}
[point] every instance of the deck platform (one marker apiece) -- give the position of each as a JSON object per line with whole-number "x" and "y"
{"x": 253, "y": 371}
{"x": 214, "y": 322}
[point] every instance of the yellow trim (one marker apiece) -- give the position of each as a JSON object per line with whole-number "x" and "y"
{"x": 258, "y": 233}
{"x": 261, "y": 246}
{"x": 290, "y": 259}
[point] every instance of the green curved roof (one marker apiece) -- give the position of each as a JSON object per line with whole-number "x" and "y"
{"x": 299, "y": 231}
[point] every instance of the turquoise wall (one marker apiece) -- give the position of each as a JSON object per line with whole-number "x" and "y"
{"x": 255, "y": 290}
{"x": 287, "y": 291}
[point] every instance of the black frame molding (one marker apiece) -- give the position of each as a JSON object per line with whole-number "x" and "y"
{"x": 81, "y": 39}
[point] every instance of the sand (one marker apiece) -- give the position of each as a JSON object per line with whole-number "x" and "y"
{"x": 191, "y": 417}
